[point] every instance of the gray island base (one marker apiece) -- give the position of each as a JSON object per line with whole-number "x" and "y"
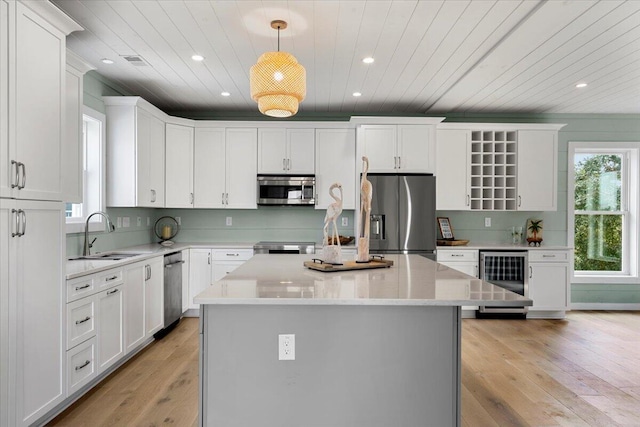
{"x": 372, "y": 348}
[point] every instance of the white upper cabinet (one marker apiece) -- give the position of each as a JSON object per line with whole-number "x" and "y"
{"x": 537, "y": 170}
{"x": 398, "y": 148}
{"x": 286, "y": 151}
{"x": 453, "y": 190}
{"x": 335, "y": 162}
{"x": 135, "y": 153}
{"x": 32, "y": 83}
{"x": 179, "y": 166}
{"x": 225, "y": 168}
{"x": 72, "y": 146}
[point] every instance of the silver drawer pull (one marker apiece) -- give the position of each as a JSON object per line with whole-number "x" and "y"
{"x": 79, "y": 288}
{"x": 84, "y": 365}
{"x": 457, "y": 255}
{"x": 86, "y": 319}
{"x": 108, "y": 279}
{"x": 233, "y": 254}
{"x": 112, "y": 292}
{"x": 548, "y": 256}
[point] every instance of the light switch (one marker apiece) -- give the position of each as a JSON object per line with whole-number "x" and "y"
{"x": 126, "y": 222}
{"x": 139, "y": 222}
{"x": 487, "y": 222}
{"x": 229, "y": 221}
{"x": 345, "y": 221}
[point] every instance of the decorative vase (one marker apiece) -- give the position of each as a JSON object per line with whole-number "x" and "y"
{"x": 332, "y": 254}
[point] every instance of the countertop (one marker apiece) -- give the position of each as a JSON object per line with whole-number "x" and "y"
{"x": 503, "y": 246}
{"x": 412, "y": 280}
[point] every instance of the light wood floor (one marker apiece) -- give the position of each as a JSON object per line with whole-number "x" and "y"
{"x": 582, "y": 371}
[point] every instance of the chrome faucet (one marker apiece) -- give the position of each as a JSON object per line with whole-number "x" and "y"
{"x": 110, "y": 227}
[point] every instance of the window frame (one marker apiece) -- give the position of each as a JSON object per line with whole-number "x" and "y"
{"x": 630, "y": 210}
{"x": 76, "y": 224}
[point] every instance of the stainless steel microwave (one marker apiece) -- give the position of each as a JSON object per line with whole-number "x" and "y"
{"x": 286, "y": 190}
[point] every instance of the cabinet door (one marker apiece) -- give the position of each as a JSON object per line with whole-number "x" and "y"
{"x": 39, "y": 82}
{"x": 110, "y": 327}
{"x": 199, "y": 273}
{"x": 453, "y": 190}
{"x": 548, "y": 284}
{"x": 143, "y": 158}
{"x": 185, "y": 279}
{"x": 72, "y": 149}
{"x": 335, "y": 162}
{"x": 416, "y": 149}
{"x": 301, "y": 151}
{"x": 156, "y": 162}
{"x": 378, "y": 143}
{"x": 134, "y": 308}
{"x": 241, "y": 168}
{"x": 209, "y": 169}
{"x": 36, "y": 298}
{"x": 537, "y": 170}
{"x": 6, "y": 176}
{"x": 179, "y": 166}
{"x": 154, "y": 296}
{"x": 272, "y": 151}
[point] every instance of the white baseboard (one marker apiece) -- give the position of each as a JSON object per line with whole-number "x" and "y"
{"x": 605, "y": 306}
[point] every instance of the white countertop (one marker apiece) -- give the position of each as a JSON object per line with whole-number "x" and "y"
{"x": 502, "y": 246}
{"x": 412, "y": 280}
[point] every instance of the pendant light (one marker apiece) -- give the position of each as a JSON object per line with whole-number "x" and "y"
{"x": 278, "y": 82}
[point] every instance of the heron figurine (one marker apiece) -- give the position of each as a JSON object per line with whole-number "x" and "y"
{"x": 333, "y": 212}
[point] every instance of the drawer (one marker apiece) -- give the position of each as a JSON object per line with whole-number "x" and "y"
{"x": 232, "y": 254}
{"x": 548, "y": 256}
{"x": 81, "y": 321}
{"x": 80, "y": 288}
{"x": 456, "y": 255}
{"x": 81, "y": 365}
{"x": 108, "y": 279}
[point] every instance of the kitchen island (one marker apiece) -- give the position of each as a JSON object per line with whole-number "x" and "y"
{"x": 372, "y": 348}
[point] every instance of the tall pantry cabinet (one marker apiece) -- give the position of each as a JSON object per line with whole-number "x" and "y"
{"x": 32, "y": 245}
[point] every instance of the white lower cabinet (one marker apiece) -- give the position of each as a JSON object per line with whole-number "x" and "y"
{"x": 81, "y": 321}
{"x": 549, "y": 278}
{"x": 209, "y": 265}
{"x": 81, "y": 365}
{"x": 134, "y": 307}
{"x": 110, "y": 327}
{"x": 186, "y": 257}
{"x": 154, "y": 296}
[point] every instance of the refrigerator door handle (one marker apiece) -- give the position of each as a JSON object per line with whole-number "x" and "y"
{"x": 377, "y": 227}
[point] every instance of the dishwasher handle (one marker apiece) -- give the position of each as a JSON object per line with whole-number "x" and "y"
{"x": 173, "y": 263}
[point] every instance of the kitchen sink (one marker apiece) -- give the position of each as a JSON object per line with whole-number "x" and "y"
{"x": 108, "y": 256}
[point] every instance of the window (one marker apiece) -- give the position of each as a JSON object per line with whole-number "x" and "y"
{"x": 93, "y": 174}
{"x": 603, "y": 211}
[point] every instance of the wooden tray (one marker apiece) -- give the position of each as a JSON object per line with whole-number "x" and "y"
{"x": 451, "y": 242}
{"x": 348, "y": 265}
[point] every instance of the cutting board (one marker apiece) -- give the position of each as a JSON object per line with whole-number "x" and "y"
{"x": 348, "y": 265}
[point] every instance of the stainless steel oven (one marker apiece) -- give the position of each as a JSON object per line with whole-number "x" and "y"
{"x": 508, "y": 270}
{"x": 286, "y": 190}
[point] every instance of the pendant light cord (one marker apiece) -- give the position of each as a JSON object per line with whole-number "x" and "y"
{"x": 278, "y": 38}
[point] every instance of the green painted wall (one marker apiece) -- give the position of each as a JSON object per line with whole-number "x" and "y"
{"x": 275, "y": 223}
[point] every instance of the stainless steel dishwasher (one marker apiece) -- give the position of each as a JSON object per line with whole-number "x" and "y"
{"x": 172, "y": 292}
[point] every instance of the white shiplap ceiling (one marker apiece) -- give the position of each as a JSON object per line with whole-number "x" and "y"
{"x": 431, "y": 57}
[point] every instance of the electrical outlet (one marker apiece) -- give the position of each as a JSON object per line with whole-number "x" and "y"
{"x": 126, "y": 222}
{"x": 179, "y": 220}
{"x": 119, "y": 222}
{"x": 345, "y": 221}
{"x": 487, "y": 222}
{"x": 139, "y": 222}
{"x": 148, "y": 222}
{"x": 286, "y": 347}
{"x": 229, "y": 221}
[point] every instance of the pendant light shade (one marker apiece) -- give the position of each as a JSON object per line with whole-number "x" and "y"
{"x": 278, "y": 83}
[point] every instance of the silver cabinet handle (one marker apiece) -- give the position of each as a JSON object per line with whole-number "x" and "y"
{"x": 209, "y": 258}
{"x": 476, "y": 266}
{"x": 153, "y": 195}
{"x": 222, "y": 198}
{"x": 147, "y": 273}
{"x": 16, "y": 165}
{"x": 108, "y": 279}
{"x": 284, "y": 164}
{"x": 468, "y": 199}
{"x": 79, "y": 288}
{"x": 289, "y": 164}
{"x": 112, "y": 292}
{"x": 24, "y": 176}
{"x": 457, "y": 255}
{"x": 191, "y": 198}
{"x": 23, "y": 214}
{"x": 530, "y": 272}
{"x": 548, "y": 256}
{"x": 519, "y": 201}
{"x": 85, "y": 364}
{"x": 16, "y": 222}
{"x": 86, "y": 319}
{"x": 399, "y": 162}
{"x": 395, "y": 162}
{"x": 233, "y": 254}
{"x": 226, "y": 199}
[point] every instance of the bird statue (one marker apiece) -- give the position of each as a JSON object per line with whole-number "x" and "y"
{"x": 333, "y": 212}
{"x": 366, "y": 194}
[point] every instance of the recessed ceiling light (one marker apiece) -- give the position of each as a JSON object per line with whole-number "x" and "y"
{"x": 357, "y": 94}
{"x": 579, "y": 85}
{"x": 225, "y": 94}
{"x": 107, "y": 61}
{"x": 197, "y": 58}
{"x": 368, "y": 60}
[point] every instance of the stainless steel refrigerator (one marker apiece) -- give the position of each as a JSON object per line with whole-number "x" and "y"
{"x": 403, "y": 214}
